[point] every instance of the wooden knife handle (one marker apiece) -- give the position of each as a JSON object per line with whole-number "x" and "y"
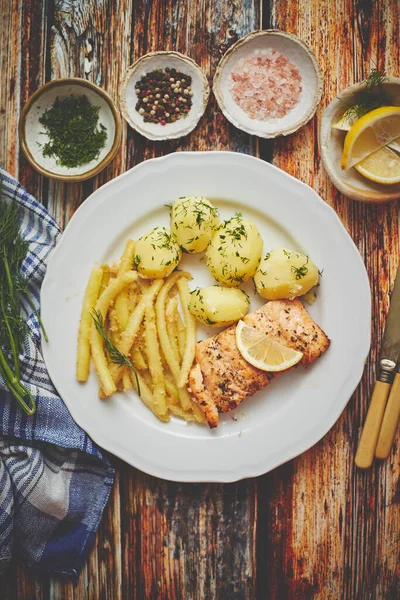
{"x": 369, "y": 437}
{"x": 390, "y": 419}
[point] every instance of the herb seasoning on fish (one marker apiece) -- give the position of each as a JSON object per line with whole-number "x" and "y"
{"x": 164, "y": 96}
{"x": 75, "y": 138}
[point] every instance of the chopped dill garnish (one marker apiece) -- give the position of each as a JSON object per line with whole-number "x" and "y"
{"x": 371, "y": 96}
{"x": 114, "y": 355}
{"x": 201, "y": 210}
{"x": 300, "y": 271}
{"x": 209, "y": 321}
{"x": 236, "y": 232}
{"x": 75, "y": 138}
{"x": 197, "y": 292}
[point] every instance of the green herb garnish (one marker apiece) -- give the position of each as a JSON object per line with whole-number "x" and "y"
{"x": 115, "y": 356}
{"x": 300, "y": 272}
{"x": 370, "y": 97}
{"x": 137, "y": 260}
{"x": 75, "y": 138}
{"x": 13, "y": 287}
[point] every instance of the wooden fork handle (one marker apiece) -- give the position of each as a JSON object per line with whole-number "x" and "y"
{"x": 390, "y": 420}
{"x": 369, "y": 437}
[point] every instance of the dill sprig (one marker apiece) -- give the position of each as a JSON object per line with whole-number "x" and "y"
{"x": 300, "y": 272}
{"x": 371, "y": 96}
{"x": 115, "y": 356}
{"x": 13, "y": 287}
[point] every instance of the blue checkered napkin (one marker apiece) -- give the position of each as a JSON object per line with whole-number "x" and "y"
{"x": 54, "y": 482}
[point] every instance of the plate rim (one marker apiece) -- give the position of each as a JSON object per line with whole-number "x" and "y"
{"x": 246, "y": 470}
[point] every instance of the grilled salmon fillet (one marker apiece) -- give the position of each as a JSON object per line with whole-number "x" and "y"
{"x": 221, "y": 378}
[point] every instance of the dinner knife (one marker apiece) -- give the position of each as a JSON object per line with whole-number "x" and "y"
{"x": 390, "y": 420}
{"x": 386, "y": 371}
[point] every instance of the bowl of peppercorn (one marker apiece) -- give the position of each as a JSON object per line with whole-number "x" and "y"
{"x": 164, "y": 95}
{"x": 70, "y": 129}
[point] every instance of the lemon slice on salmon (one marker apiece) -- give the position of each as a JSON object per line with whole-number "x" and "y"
{"x": 370, "y": 133}
{"x": 264, "y": 352}
{"x": 382, "y": 166}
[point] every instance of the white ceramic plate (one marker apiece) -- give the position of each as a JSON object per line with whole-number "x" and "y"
{"x": 279, "y": 422}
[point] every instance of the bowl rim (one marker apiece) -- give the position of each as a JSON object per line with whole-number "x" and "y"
{"x": 318, "y": 89}
{"x": 58, "y": 83}
{"x": 128, "y": 74}
{"x": 348, "y": 190}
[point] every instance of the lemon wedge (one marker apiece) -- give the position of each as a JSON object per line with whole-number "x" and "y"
{"x": 382, "y": 166}
{"x": 264, "y": 352}
{"x": 374, "y": 130}
{"x": 345, "y": 124}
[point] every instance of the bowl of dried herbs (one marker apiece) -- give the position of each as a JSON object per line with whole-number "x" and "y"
{"x": 70, "y": 129}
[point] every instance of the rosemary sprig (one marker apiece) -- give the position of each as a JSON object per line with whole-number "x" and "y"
{"x": 13, "y": 287}
{"x": 371, "y": 96}
{"x": 115, "y": 356}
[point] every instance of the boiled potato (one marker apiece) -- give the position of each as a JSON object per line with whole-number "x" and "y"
{"x": 234, "y": 252}
{"x": 218, "y": 306}
{"x": 285, "y": 274}
{"x": 193, "y": 221}
{"x": 157, "y": 253}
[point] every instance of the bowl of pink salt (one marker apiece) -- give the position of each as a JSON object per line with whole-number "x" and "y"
{"x": 268, "y": 83}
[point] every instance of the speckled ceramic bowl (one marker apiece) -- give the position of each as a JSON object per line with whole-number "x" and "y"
{"x": 351, "y": 183}
{"x": 299, "y": 54}
{"x": 32, "y": 135}
{"x": 161, "y": 60}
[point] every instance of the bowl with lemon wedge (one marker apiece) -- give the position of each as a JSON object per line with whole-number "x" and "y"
{"x": 360, "y": 139}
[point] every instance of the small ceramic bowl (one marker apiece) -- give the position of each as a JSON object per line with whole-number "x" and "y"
{"x": 351, "y": 183}
{"x": 299, "y": 54}
{"x": 162, "y": 60}
{"x": 33, "y": 136}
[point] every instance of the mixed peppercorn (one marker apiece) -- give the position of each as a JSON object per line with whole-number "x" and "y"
{"x": 164, "y": 96}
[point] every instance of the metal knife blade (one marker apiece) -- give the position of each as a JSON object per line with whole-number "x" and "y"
{"x": 390, "y": 352}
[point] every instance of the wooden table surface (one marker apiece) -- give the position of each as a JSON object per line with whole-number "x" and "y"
{"x": 316, "y": 527}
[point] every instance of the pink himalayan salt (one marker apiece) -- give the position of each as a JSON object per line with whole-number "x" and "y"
{"x": 266, "y": 85}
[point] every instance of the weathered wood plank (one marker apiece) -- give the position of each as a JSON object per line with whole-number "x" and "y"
{"x": 320, "y": 528}
{"x": 9, "y": 89}
{"x": 21, "y": 582}
{"x": 22, "y": 48}
{"x": 33, "y": 75}
{"x": 200, "y": 33}
{"x": 189, "y": 541}
{"x": 333, "y": 530}
{"x": 90, "y": 40}
{"x": 23, "y": 36}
